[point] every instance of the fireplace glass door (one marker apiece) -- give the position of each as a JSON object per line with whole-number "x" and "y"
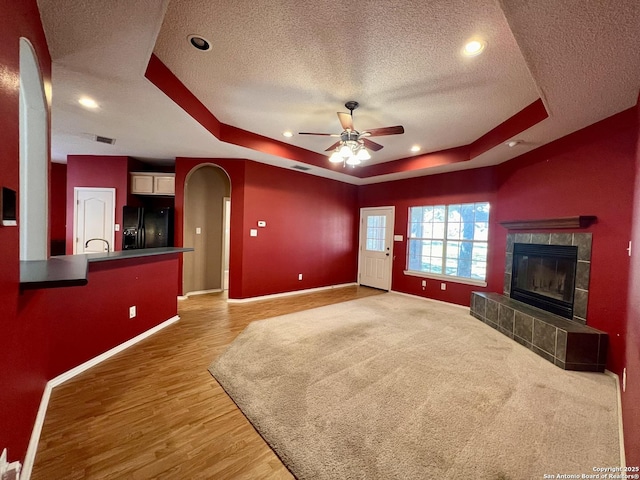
{"x": 544, "y": 276}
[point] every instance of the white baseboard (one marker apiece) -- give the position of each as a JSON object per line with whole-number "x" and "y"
{"x": 288, "y": 294}
{"x": 430, "y": 299}
{"x": 60, "y": 379}
{"x": 623, "y": 458}
{"x": 202, "y": 292}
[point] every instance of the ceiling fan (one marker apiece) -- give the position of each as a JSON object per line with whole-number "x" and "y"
{"x": 352, "y": 147}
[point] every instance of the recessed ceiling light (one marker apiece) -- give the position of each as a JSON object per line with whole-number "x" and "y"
{"x": 199, "y": 42}
{"x": 415, "y": 148}
{"x": 287, "y": 133}
{"x": 88, "y": 102}
{"x": 474, "y": 47}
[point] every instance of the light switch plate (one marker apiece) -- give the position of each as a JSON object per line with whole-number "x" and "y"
{"x": 253, "y": 232}
{"x": 198, "y": 230}
{"x": 117, "y": 227}
{"x": 398, "y": 238}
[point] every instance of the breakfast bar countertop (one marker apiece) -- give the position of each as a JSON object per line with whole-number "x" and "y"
{"x": 72, "y": 270}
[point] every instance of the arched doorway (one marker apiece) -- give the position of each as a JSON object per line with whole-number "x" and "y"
{"x": 207, "y": 191}
{"x": 34, "y": 158}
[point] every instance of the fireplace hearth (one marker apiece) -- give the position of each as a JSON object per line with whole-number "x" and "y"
{"x": 553, "y": 269}
{"x": 544, "y": 276}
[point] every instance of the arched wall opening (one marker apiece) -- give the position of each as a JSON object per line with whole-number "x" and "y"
{"x": 34, "y": 158}
{"x": 207, "y": 190}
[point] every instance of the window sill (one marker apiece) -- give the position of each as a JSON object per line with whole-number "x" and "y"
{"x": 447, "y": 278}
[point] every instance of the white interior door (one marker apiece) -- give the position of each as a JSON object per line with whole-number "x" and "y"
{"x": 376, "y": 244}
{"x": 94, "y": 219}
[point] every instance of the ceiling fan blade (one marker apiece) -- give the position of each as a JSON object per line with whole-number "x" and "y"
{"x": 346, "y": 120}
{"x": 323, "y": 134}
{"x": 378, "y": 132}
{"x": 371, "y": 145}
{"x": 333, "y": 147}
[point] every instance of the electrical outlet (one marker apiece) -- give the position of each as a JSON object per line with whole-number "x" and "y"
{"x": 424, "y": 284}
{"x": 132, "y": 312}
{"x": 624, "y": 379}
{"x": 299, "y": 276}
{"x": 443, "y": 286}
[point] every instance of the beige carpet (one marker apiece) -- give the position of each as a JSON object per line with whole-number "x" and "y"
{"x": 394, "y": 387}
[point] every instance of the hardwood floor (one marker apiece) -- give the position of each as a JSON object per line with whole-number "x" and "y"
{"x": 154, "y": 411}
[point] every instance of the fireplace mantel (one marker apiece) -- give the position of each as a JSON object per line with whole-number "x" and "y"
{"x": 581, "y": 221}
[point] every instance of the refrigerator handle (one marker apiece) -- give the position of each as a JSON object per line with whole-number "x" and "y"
{"x": 143, "y": 237}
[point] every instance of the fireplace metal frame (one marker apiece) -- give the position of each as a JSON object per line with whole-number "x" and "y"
{"x": 559, "y": 307}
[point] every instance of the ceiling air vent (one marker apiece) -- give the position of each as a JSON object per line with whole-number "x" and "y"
{"x": 300, "y": 167}
{"x": 106, "y": 140}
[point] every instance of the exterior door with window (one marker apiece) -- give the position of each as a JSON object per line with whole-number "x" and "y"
{"x": 376, "y": 243}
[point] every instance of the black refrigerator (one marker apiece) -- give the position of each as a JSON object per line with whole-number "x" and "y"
{"x": 147, "y": 227}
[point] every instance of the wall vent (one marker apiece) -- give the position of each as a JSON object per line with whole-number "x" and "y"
{"x": 301, "y": 167}
{"x": 107, "y": 140}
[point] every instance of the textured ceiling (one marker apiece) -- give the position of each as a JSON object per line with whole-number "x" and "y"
{"x": 292, "y": 65}
{"x": 278, "y": 66}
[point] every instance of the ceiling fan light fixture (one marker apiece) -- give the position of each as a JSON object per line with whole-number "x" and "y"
{"x": 363, "y": 154}
{"x": 353, "y": 147}
{"x": 335, "y": 157}
{"x": 353, "y": 161}
{"x": 345, "y": 151}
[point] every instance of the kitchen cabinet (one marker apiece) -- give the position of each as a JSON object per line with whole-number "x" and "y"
{"x": 151, "y": 183}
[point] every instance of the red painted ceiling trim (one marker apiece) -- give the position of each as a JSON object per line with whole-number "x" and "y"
{"x": 419, "y": 162}
{"x": 163, "y": 78}
{"x": 158, "y": 74}
{"x": 260, "y": 143}
{"x": 524, "y": 119}
{"x": 521, "y": 121}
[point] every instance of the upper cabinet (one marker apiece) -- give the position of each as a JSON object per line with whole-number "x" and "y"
{"x": 150, "y": 183}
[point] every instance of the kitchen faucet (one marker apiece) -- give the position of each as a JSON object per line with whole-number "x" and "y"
{"x": 100, "y": 239}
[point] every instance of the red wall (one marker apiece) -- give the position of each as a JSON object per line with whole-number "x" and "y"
{"x": 311, "y": 228}
{"x": 587, "y": 173}
{"x": 21, "y": 357}
{"x": 590, "y": 172}
{"x": 459, "y": 187}
{"x": 47, "y": 332}
{"x": 97, "y": 171}
{"x": 631, "y": 397}
{"x": 58, "y": 203}
{"x": 82, "y": 322}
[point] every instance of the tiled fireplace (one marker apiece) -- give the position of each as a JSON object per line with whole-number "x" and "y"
{"x": 580, "y": 241}
{"x": 544, "y": 306}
